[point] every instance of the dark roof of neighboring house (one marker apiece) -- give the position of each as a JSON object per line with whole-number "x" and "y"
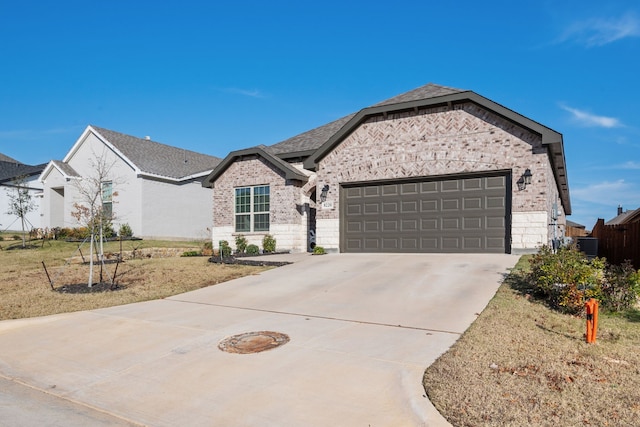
{"x": 625, "y": 217}
{"x": 158, "y": 159}
{"x": 574, "y": 224}
{"x": 4, "y": 158}
{"x": 9, "y": 171}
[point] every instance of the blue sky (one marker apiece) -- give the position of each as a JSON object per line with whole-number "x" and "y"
{"x": 219, "y": 76}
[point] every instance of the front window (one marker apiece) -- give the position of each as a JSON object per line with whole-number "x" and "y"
{"x": 107, "y": 199}
{"x": 252, "y": 209}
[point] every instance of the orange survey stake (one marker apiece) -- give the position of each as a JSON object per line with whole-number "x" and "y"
{"x": 592, "y": 319}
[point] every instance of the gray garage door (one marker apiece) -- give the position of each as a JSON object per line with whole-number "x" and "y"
{"x": 445, "y": 215}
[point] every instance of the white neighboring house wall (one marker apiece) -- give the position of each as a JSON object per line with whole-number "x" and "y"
{"x": 11, "y": 222}
{"x": 154, "y": 207}
{"x": 173, "y": 211}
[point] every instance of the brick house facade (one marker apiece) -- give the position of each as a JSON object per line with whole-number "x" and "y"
{"x": 453, "y": 145}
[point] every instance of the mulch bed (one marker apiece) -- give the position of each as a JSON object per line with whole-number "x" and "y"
{"x": 240, "y": 260}
{"x": 82, "y": 288}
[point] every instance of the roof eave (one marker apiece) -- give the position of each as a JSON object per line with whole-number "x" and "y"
{"x": 172, "y": 178}
{"x": 289, "y": 171}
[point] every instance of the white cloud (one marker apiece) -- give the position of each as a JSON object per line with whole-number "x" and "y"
{"x": 588, "y": 119}
{"x": 607, "y": 193}
{"x": 599, "y": 32}
{"x": 253, "y": 93}
{"x": 632, "y": 165}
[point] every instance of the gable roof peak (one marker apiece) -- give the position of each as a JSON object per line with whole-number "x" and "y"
{"x": 158, "y": 159}
{"x": 428, "y": 91}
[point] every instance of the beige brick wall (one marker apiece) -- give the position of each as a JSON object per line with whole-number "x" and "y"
{"x": 288, "y": 222}
{"x": 439, "y": 141}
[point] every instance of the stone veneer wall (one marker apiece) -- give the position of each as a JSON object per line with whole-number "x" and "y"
{"x": 287, "y": 211}
{"x": 442, "y": 141}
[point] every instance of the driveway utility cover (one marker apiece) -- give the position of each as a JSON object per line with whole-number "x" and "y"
{"x": 253, "y": 342}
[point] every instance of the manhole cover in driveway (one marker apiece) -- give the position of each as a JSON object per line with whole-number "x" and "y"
{"x": 253, "y": 342}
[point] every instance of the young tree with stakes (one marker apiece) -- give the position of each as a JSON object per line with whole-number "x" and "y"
{"x": 94, "y": 210}
{"x": 20, "y": 203}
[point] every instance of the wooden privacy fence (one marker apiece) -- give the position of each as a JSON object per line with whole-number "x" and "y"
{"x": 618, "y": 243}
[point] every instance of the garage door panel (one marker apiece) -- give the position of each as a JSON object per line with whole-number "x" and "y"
{"x": 472, "y": 184}
{"x": 472, "y": 223}
{"x": 390, "y": 225}
{"x": 495, "y": 202}
{"x": 410, "y": 188}
{"x": 390, "y": 208}
{"x": 429, "y": 224}
{"x": 450, "y": 185}
{"x": 451, "y": 243}
{"x": 354, "y": 209}
{"x": 410, "y": 245}
{"x": 429, "y": 206}
{"x": 450, "y": 215}
{"x": 495, "y": 243}
{"x": 409, "y": 207}
{"x": 371, "y": 191}
{"x": 353, "y": 192}
{"x": 371, "y": 244}
{"x": 429, "y": 187}
{"x": 494, "y": 222}
{"x": 371, "y": 226}
{"x": 472, "y": 243}
{"x": 354, "y": 227}
{"x": 354, "y": 245}
{"x": 371, "y": 209}
{"x": 390, "y": 190}
{"x": 390, "y": 244}
{"x": 496, "y": 182}
{"x": 450, "y": 204}
{"x": 409, "y": 225}
{"x": 450, "y": 223}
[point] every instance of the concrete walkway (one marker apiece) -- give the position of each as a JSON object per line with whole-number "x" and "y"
{"x": 362, "y": 330}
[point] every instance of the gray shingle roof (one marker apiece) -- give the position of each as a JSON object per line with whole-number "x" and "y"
{"x": 4, "y": 158}
{"x": 313, "y": 139}
{"x": 625, "y": 217}
{"x": 159, "y": 159}
{"x": 65, "y": 168}
{"x": 310, "y": 140}
{"x": 424, "y": 92}
{"x": 9, "y": 171}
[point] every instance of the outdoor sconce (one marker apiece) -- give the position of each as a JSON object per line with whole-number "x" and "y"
{"x": 524, "y": 180}
{"x": 323, "y": 193}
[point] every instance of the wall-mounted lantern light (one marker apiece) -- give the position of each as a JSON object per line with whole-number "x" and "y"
{"x": 524, "y": 180}
{"x": 323, "y": 193}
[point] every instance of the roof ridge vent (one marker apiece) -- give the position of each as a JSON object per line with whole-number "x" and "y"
{"x": 148, "y": 138}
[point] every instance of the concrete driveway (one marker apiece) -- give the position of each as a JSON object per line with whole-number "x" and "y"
{"x": 362, "y": 330}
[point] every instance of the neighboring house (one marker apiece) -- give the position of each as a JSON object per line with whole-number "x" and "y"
{"x": 13, "y": 173}
{"x": 625, "y": 217}
{"x": 575, "y": 230}
{"x": 154, "y": 188}
{"x": 435, "y": 169}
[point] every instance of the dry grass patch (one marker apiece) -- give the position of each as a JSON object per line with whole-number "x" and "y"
{"x": 522, "y": 364}
{"x": 25, "y": 290}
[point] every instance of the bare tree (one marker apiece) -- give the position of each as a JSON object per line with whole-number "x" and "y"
{"x": 95, "y": 207}
{"x": 20, "y": 203}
